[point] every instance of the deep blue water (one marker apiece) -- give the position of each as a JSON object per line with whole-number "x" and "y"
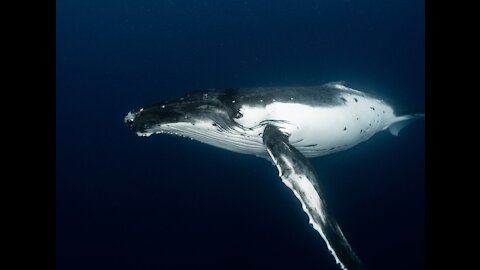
{"x": 126, "y": 202}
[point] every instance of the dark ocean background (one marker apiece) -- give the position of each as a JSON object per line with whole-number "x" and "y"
{"x": 128, "y": 202}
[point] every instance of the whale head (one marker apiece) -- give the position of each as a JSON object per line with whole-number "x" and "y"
{"x": 178, "y": 114}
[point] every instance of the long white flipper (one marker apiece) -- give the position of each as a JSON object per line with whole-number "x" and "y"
{"x": 297, "y": 174}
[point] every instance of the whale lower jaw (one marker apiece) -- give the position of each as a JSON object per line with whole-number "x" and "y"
{"x": 235, "y": 139}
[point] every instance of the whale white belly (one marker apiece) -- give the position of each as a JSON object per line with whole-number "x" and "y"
{"x": 314, "y": 131}
{"x": 317, "y": 131}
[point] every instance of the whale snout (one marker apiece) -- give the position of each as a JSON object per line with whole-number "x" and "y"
{"x": 129, "y": 120}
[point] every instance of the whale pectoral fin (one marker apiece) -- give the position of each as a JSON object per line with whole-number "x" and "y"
{"x": 298, "y": 174}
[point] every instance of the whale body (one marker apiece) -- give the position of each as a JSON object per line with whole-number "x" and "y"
{"x": 286, "y": 125}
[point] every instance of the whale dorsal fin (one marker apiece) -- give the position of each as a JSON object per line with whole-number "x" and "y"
{"x": 298, "y": 175}
{"x": 335, "y": 83}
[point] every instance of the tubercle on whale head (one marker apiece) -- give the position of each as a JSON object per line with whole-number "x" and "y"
{"x": 143, "y": 121}
{"x": 191, "y": 108}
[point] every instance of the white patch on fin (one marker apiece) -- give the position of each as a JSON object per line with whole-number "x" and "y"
{"x": 303, "y": 189}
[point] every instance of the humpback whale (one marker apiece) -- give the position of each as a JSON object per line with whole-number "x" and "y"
{"x": 286, "y": 125}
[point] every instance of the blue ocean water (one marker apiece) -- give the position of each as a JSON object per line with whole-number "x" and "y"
{"x": 126, "y": 202}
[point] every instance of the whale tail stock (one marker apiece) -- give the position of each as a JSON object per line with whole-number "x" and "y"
{"x": 399, "y": 122}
